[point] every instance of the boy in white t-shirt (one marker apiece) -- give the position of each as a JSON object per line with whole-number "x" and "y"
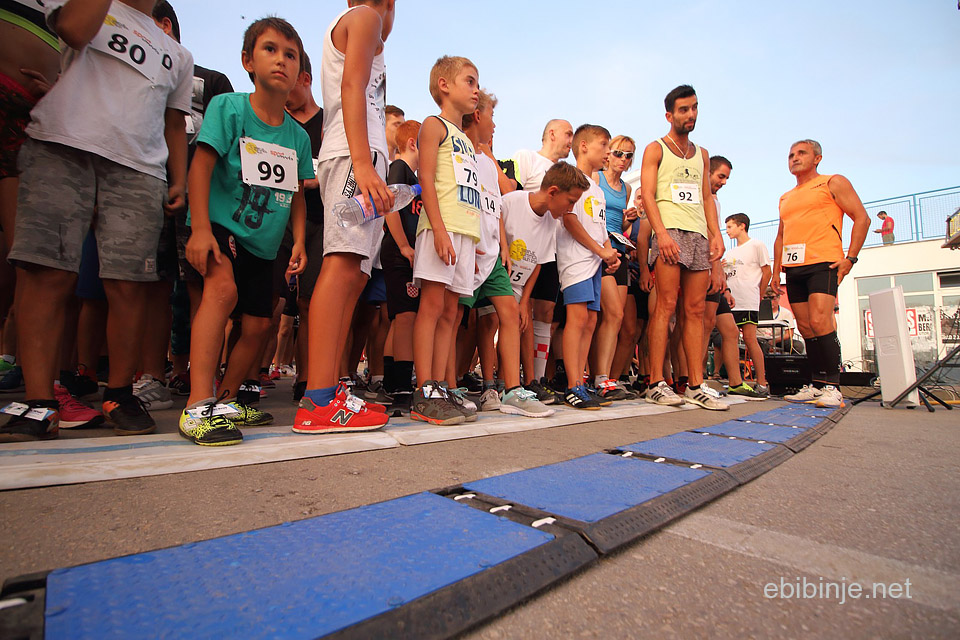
{"x": 747, "y": 267}
{"x": 532, "y": 238}
{"x": 492, "y": 279}
{"x": 104, "y": 137}
{"x": 583, "y": 250}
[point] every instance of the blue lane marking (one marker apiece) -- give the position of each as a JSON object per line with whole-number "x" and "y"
{"x": 298, "y": 580}
{"x": 133, "y": 445}
{"x": 590, "y": 488}
{"x": 701, "y": 449}
{"x": 753, "y": 431}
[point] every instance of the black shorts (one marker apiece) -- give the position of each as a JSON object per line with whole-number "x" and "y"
{"x": 313, "y": 242}
{"x": 642, "y": 297}
{"x": 168, "y": 265}
{"x": 547, "y": 286}
{"x": 721, "y": 301}
{"x": 183, "y": 231}
{"x": 254, "y": 276}
{"x": 560, "y": 313}
{"x": 280, "y": 265}
{"x": 622, "y": 274}
{"x": 746, "y": 317}
{"x": 810, "y": 278}
{"x": 402, "y": 296}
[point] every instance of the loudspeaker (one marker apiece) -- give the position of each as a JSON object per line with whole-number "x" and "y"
{"x": 786, "y": 373}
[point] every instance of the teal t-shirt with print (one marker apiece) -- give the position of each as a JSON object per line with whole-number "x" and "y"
{"x": 256, "y": 215}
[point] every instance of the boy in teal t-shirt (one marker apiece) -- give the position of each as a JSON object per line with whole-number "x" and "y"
{"x": 245, "y": 182}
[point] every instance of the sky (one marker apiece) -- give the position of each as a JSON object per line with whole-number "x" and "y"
{"x": 877, "y": 83}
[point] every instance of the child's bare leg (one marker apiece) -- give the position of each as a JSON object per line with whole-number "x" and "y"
{"x": 331, "y": 310}
{"x": 432, "y": 296}
{"x": 206, "y": 333}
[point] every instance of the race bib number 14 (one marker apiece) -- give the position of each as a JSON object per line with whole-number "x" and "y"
{"x": 131, "y": 47}
{"x": 268, "y": 165}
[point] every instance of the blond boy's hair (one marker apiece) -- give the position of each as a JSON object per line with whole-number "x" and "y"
{"x": 486, "y": 101}
{"x": 587, "y": 133}
{"x": 565, "y": 177}
{"x": 446, "y": 67}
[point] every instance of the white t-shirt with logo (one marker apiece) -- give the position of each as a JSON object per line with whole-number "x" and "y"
{"x": 112, "y": 95}
{"x": 488, "y": 171}
{"x": 576, "y": 262}
{"x": 743, "y": 266}
{"x": 532, "y": 238}
{"x": 530, "y": 167}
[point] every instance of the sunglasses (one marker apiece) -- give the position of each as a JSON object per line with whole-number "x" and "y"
{"x": 617, "y": 153}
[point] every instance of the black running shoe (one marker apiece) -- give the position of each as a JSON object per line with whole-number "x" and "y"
{"x": 472, "y": 382}
{"x": 31, "y": 420}
{"x": 249, "y": 393}
{"x": 603, "y": 402}
{"x": 544, "y": 394}
{"x": 129, "y": 417}
{"x": 579, "y": 398}
{"x": 80, "y": 386}
{"x": 609, "y": 390}
{"x": 400, "y": 404}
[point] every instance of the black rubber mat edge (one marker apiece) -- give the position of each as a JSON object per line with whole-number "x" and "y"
{"x": 24, "y": 621}
{"x": 471, "y": 601}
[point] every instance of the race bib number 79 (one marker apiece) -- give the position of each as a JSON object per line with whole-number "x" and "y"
{"x": 131, "y": 47}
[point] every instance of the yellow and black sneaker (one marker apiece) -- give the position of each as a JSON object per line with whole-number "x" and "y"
{"x": 246, "y": 416}
{"x": 207, "y": 424}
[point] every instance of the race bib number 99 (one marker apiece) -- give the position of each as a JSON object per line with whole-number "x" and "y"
{"x": 268, "y": 165}
{"x": 131, "y": 47}
{"x": 685, "y": 193}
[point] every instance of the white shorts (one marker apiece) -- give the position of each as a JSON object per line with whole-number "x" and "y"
{"x": 427, "y": 265}
{"x": 336, "y": 184}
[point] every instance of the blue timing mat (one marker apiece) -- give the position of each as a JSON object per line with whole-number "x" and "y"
{"x": 303, "y": 579}
{"x": 608, "y": 499}
{"x": 793, "y": 438}
{"x": 590, "y": 488}
{"x": 785, "y": 418}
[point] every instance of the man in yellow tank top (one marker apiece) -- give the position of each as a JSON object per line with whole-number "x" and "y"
{"x": 677, "y": 198}
{"x": 809, "y": 249}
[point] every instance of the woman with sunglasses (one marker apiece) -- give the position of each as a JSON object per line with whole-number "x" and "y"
{"x": 613, "y": 287}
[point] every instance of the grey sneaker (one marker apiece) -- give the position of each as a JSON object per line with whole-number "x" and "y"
{"x": 489, "y": 400}
{"x": 430, "y": 404}
{"x": 746, "y": 392}
{"x": 466, "y": 406}
{"x": 373, "y": 390}
{"x": 830, "y": 397}
{"x": 152, "y": 393}
{"x": 706, "y": 397}
{"x": 523, "y": 402}
{"x": 808, "y": 393}
{"x": 663, "y": 394}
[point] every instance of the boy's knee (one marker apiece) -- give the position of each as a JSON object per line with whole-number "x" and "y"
{"x": 256, "y": 326}
{"x": 221, "y": 291}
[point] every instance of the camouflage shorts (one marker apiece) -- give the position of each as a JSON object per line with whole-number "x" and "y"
{"x": 59, "y": 188}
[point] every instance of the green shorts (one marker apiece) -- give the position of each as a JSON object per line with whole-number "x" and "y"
{"x": 496, "y": 284}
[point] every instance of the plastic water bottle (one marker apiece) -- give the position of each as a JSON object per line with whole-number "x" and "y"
{"x": 352, "y": 212}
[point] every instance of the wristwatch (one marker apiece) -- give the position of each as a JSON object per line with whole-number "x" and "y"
{"x": 852, "y": 259}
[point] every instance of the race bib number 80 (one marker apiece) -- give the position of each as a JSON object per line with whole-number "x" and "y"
{"x": 268, "y": 165}
{"x": 131, "y": 47}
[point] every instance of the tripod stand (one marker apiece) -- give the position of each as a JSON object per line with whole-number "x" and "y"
{"x": 918, "y": 385}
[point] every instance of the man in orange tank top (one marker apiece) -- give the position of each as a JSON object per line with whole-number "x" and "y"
{"x": 809, "y": 250}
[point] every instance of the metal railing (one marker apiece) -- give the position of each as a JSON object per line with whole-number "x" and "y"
{"x": 916, "y": 217}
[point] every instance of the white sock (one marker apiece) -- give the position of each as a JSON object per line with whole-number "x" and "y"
{"x": 541, "y": 347}
{"x": 600, "y": 379}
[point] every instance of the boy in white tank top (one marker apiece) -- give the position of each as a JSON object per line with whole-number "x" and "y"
{"x": 352, "y": 161}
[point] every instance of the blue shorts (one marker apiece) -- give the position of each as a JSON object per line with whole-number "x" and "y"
{"x": 376, "y": 289}
{"x": 585, "y": 291}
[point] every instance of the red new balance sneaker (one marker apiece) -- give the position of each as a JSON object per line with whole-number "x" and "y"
{"x": 344, "y": 394}
{"x": 343, "y": 415}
